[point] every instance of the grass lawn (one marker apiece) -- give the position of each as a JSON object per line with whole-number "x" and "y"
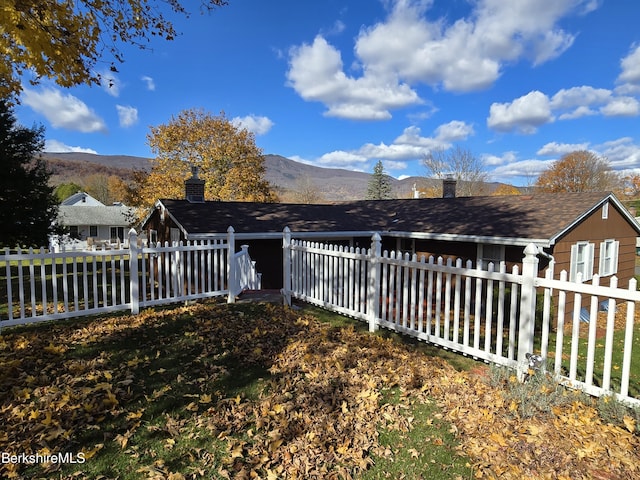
{"x": 599, "y": 351}
{"x": 258, "y": 391}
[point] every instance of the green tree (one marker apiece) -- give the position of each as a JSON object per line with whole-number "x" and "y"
{"x": 28, "y": 207}
{"x": 64, "y": 40}
{"x": 227, "y": 158}
{"x": 579, "y": 171}
{"x": 379, "y": 187}
{"x": 65, "y": 190}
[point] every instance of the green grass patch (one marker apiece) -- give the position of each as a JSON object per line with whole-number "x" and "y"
{"x": 423, "y": 447}
{"x": 599, "y": 357}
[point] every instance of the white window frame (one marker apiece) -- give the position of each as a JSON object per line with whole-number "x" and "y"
{"x": 582, "y": 254}
{"x": 608, "y": 262}
{"x": 605, "y": 211}
{"x": 486, "y": 260}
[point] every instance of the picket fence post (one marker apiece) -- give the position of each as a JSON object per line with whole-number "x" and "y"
{"x": 286, "y": 265}
{"x": 134, "y": 281}
{"x": 527, "y": 318}
{"x": 231, "y": 265}
{"x": 374, "y": 282}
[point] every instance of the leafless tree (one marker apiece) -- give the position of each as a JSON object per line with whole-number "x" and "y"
{"x": 306, "y": 191}
{"x": 466, "y": 168}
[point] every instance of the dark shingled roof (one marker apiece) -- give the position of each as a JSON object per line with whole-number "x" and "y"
{"x": 539, "y": 216}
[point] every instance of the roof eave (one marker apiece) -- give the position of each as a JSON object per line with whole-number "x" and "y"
{"x": 483, "y": 239}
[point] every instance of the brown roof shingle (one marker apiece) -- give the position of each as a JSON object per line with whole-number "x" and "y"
{"x": 539, "y": 216}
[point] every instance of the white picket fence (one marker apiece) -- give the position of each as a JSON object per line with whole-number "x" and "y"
{"x": 50, "y": 285}
{"x": 476, "y": 310}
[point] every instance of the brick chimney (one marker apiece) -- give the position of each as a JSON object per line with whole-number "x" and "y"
{"x": 449, "y": 187}
{"x": 194, "y": 187}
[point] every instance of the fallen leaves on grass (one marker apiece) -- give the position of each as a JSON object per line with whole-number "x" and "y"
{"x": 174, "y": 376}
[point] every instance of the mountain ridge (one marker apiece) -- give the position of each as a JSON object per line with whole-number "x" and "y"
{"x": 287, "y": 176}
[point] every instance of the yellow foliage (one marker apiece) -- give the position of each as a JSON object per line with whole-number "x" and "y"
{"x": 227, "y": 157}
{"x": 65, "y": 40}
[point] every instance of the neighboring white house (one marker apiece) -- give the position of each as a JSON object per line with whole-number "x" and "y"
{"x": 92, "y": 223}
{"x": 82, "y": 199}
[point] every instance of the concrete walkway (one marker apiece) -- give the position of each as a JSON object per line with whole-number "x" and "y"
{"x": 260, "y": 296}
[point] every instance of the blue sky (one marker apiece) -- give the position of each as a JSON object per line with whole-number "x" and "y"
{"x": 345, "y": 84}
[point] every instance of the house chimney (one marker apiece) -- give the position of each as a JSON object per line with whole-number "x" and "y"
{"x": 449, "y": 186}
{"x": 194, "y": 187}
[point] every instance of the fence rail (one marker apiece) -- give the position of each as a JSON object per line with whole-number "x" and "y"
{"x": 50, "y": 285}
{"x": 493, "y": 315}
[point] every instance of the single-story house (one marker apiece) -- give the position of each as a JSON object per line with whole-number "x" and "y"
{"x": 90, "y": 222}
{"x": 588, "y": 233}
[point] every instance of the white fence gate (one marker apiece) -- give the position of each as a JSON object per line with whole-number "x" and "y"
{"x": 50, "y": 285}
{"x": 478, "y": 311}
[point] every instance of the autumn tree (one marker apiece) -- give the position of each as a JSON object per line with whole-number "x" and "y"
{"x": 65, "y": 40}
{"x": 503, "y": 189}
{"x": 631, "y": 184}
{"x": 379, "y": 187}
{"x": 227, "y": 158}
{"x": 579, "y": 171}
{"x": 28, "y": 207}
{"x": 107, "y": 188}
{"x": 466, "y": 168}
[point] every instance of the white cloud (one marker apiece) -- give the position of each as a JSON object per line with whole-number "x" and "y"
{"x": 621, "y": 107}
{"x": 621, "y": 153}
{"x": 56, "y": 146}
{"x": 64, "y": 111}
{"x": 342, "y": 159}
{"x": 316, "y": 74}
{"x": 523, "y": 168}
{"x": 393, "y": 165}
{"x": 412, "y": 136}
{"x": 469, "y": 53}
{"x": 454, "y": 131}
{"x": 524, "y": 114}
{"x": 558, "y": 149}
{"x": 151, "y": 85}
{"x": 410, "y": 46}
{"x": 495, "y": 160}
{"x": 577, "y": 113}
{"x": 409, "y": 146}
{"x": 631, "y": 67}
{"x": 127, "y": 115}
{"x": 256, "y": 124}
{"x": 570, "y": 98}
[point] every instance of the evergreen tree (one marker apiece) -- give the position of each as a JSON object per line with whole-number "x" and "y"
{"x": 379, "y": 187}
{"x": 28, "y": 207}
